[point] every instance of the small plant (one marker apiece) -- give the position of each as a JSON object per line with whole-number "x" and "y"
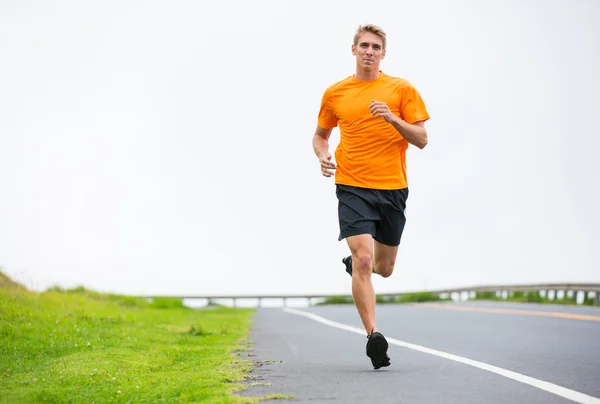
{"x": 340, "y": 299}
{"x": 167, "y": 303}
{"x": 518, "y": 295}
{"x": 419, "y": 297}
{"x": 384, "y": 299}
{"x": 486, "y": 296}
{"x": 534, "y": 297}
{"x": 588, "y": 301}
{"x": 198, "y": 330}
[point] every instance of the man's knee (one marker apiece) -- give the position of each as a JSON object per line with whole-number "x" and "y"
{"x": 385, "y": 268}
{"x": 363, "y": 262}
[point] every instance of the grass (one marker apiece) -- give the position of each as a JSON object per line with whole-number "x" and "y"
{"x": 336, "y": 300}
{"x": 81, "y": 346}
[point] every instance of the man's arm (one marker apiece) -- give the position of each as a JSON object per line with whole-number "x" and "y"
{"x": 321, "y": 148}
{"x": 414, "y": 133}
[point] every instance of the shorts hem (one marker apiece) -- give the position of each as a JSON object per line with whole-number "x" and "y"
{"x": 386, "y": 243}
{"x": 355, "y": 232}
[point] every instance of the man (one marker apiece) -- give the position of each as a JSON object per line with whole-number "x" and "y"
{"x": 378, "y": 116}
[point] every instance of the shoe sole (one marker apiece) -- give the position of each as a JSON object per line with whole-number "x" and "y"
{"x": 377, "y": 351}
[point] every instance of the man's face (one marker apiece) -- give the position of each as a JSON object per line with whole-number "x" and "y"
{"x": 368, "y": 51}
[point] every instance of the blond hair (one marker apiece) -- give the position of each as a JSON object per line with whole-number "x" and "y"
{"x": 374, "y": 29}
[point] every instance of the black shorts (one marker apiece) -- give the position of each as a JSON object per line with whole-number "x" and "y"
{"x": 379, "y": 213}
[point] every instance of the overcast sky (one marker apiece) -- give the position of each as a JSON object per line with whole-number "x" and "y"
{"x": 166, "y": 147}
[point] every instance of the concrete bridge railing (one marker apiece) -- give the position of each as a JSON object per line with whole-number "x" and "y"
{"x": 463, "y": 293}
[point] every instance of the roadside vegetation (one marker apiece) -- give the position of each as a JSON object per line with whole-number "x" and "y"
{"x": 532, "y": 297}
{"x": 81, "y": 346}
{"x": 418, "y": 297}
{"x": 421, "y": 297}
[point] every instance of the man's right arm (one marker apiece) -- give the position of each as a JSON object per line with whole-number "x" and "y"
{"x": 321, "y": 148}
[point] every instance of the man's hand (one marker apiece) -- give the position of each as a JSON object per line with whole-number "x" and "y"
{"x": 326, "y": 164}
{"x": 380, "y": 109}
{"x": 414, "y": 133}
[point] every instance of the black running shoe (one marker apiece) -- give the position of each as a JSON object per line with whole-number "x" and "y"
{"x": 348, "y": 262}
{"x": 377, "y": 347}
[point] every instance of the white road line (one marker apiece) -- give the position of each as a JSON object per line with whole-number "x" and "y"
{"x": 540, "y": 384}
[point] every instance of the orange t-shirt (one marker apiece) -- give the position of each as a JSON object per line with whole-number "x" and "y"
{"x": 371, "y": 152}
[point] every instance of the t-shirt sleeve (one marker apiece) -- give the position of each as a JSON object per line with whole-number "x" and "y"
{"x": 327, "y": 118}
{"x": 412, "y": 107}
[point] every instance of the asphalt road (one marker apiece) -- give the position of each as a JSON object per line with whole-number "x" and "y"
{"x": 321, "y": 362}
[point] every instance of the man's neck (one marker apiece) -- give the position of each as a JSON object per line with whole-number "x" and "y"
{"x": 366, "y": 76}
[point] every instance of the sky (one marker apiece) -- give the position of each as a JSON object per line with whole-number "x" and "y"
{"x": 154, "y": 147}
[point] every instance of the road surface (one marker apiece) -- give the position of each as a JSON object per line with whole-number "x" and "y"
{"x": 475, "y": 352}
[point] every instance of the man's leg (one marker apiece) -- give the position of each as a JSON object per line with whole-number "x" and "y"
{"x": 364, "y": 297}
{"x": 358, "y": 215}
{"x": 389, "y": 233}
{"x": 367, "y": 259}
{"x": 383, "y": 263}
{"x": 385, "y": 259}
{"x": 361, "y": 247}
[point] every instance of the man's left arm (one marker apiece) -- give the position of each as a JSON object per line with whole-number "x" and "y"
{"x": 414, "y": 133}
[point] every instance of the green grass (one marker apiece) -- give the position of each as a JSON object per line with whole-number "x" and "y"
{"x": 336, "y": 300}
{"x": 418, "y": 297}
{"x": 80, "y": 346}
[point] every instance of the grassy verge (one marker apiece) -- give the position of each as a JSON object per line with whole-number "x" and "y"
{"x": 80, "y": 346}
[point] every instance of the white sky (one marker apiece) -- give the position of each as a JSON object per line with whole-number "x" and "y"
{"x": 165, "y": 147}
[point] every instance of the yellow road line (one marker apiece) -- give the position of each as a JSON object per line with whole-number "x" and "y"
{"x": 571, "y": 316}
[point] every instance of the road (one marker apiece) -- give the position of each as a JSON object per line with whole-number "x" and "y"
{"x": 440, "y": 353}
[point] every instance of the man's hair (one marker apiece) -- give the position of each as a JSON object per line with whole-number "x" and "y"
{"x": 374, "y": 29}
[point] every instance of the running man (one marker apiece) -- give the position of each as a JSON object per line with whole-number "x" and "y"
{"x": 378, "y": 116}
